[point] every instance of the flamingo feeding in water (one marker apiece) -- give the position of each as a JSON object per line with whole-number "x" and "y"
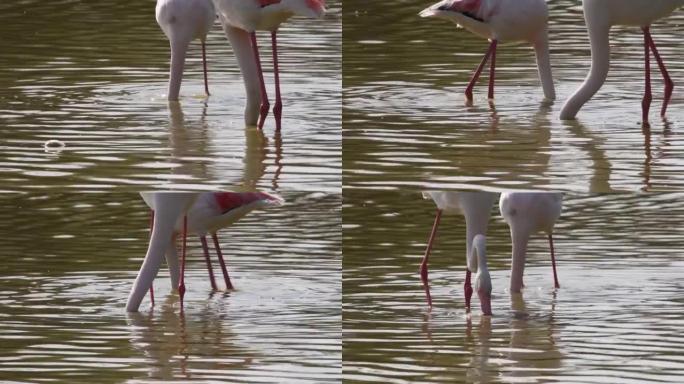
{"x": 241, "y": 19}
{"x": 600, "y": 16}
{"x": 183, "y": 21}
{"x": 501, "y": 20}
{"x": 476, "y": 207}
{"x": 209, "y": 212}
{"x": 526, "y": 214}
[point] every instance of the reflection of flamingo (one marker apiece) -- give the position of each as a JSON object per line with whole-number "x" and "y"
{"x": 476, "y": 208}
{"x": 600, "y": 16}
{"x": 527, "y": 213}
{"x": 210, "y": 212}
{"x": 182, "y": 21}
{"x": 501, "y": 20}
{"x": 241, "y": 19}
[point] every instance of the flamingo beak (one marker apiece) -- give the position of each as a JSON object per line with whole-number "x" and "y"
{"x": 485, "y": 302}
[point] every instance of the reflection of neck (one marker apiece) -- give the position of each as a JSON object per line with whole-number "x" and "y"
{"x": 242, "y": 47}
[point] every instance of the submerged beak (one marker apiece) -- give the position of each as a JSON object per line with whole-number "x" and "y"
{"x": 485, "y": 302}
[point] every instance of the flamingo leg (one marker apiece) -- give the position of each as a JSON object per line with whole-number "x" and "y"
{"x": 648, "y": 97}
{"x": 424, "y": 264}
{"x": 669, "y": 84}
{"x": 478, "y": 71}
{"x": 278, "y": 107}
{"x": 265, "y": 106}
{"x": 205, "y": 248}
{"x": 468, "y": 289}
{"x": 151, "y": 228}
{"x": 492, "y": 72}
{"x": 226, "y": 277}
{"x": 553, "y": 262}
{"x": 181, "y": 285}
{"x": 204, "y": 64}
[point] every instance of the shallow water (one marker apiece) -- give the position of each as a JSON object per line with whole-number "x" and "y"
{"x": 94, "y": 74}
{"x": 616, "y": 318}
{"x": 406, "y": 123}
{"x": 70, "y": 260}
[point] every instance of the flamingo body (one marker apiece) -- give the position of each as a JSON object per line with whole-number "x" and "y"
{"x": 502, "y": 20}
{"x": 183, "y": 21}
{"x": 266, "y": 15}
{"x": 527, "y": 213}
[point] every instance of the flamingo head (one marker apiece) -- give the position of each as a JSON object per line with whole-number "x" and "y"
{"x": 310, "y": 8}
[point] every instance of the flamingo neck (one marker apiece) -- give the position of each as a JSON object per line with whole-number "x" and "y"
{"x": 178, "y": 52}
{"x": 600, "y": 64}
{"x": 541, "y": 49}
{"x": 242, "y": 47}
{"x": 520, "y": 239}
{"x": 475, "y": 224}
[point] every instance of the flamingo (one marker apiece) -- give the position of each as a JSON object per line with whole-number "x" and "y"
{"x": 240, "y": 20}
{"x": 476, "y": 207}
{"x": 183, "y": 21}
{"x": 168, "y": 207}
{"x": 526, "y": 214}
{"x": 501, "y": 20}
{"x": 600, "y": 16}
{"x": 210, "y": 212}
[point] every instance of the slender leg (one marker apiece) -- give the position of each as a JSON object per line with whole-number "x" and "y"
{"x": 229, "y": 285}
{"x": 424, "y": 264}
{"x": 203, "y": 239}
{"x": 648, "y": 97}
{"x": 151, "y": 228}
{"x": 181, "y": 285}
{"x": 669, "y": 85}
{"x": 553, "y": 262}
{"x": 468, "y": 289}
{"x": 264, "y": 97}
{"x": 492, "y": 71}
{"x": 478, "y": 71}
{"x": 204, "y": 63}
{"x": 278, "y": 107}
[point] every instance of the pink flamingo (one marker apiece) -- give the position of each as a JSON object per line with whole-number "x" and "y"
{"x": 476, "y": 207}
{"x": 501, "y": 20}
{"x": 241, "y": 19}
{"x": 600, "y": 16}
{"x": 183, "y": 21}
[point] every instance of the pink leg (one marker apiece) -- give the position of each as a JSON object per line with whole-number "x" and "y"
{"x": 492, "y": 71}
{"x": 204, "y": 63}
{"x": 468, "y": 289}
{"x": 669, "y": 84}
{"x": 181, "y": 285}
{"x": 424, "y": 264}
{"x": 203, "y": 239}
{"x": 478, "y": 71}
{"x": 278, "y": 107}
{"x": 226, "y": 277}
{"x": 553, "y": 262}
{"x": 151, "y": 228}
{"x": 265, "y": 106}
{"x": 648, "y": 97}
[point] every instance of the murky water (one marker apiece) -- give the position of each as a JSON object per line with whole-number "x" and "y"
{"x": 94, "y": 75}
{"x": 69, "y": 261}
{"x": 616, "y": 318}
{"x": 406, "y": 123}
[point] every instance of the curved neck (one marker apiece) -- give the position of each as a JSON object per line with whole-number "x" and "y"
{"x": 600, "y": 64}
{"x": 519, "y": 239}
{"x": 541, "y": 49}
{"x": 475, "y": 225}
{"x": 178, "y": 52}
{"x": 242, "y": 47}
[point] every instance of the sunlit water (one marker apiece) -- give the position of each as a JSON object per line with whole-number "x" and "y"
{"x": 406, "y": 122}
{"x": 93, "y": 75}
{"x": 69, "y": 261}
{"x": 617, "y": 316}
